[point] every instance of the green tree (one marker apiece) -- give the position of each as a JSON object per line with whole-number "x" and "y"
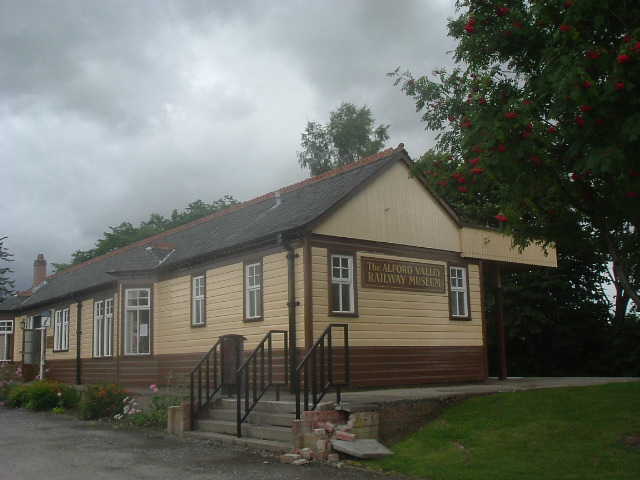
{"x": 126, "y": 233}
{"x": 6, "y": 285}
{"x": 542, "y": 117}
{"x": 349, "y": 136}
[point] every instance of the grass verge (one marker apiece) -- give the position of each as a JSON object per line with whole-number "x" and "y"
{"x": 561, "y": 433}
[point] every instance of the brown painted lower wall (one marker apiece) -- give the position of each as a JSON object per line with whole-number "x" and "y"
{"x": 370, "y": 367}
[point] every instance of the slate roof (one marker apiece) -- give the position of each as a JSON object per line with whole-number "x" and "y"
{"x": 242, "y": 225}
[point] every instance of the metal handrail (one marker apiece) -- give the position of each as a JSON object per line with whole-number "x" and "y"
{"x": 323, "y": 357}
{"x": 212, "y": 364}
{"x": 258, "y": 373}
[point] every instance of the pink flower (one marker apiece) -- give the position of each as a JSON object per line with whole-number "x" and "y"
{"x": 155, "y": 390}
{"x": 624, "y": 58}
{"x": 153, "y": 386}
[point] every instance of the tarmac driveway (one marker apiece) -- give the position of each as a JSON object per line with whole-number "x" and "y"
{"x": 57, "y": 447}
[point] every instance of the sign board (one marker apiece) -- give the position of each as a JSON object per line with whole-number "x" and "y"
{"x": 46, "y": 318}
{"x": 383, "y": 273}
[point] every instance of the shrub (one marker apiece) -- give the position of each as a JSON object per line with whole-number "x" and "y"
{"x": 160, "y": 403}
{"x": 18, "y": 395}
{"x": 10, "y": 375}
{"x": 47, "y": 395}
{"x": 105, "y": 400}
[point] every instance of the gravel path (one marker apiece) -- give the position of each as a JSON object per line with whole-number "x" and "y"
{"x": 58, "y": 447}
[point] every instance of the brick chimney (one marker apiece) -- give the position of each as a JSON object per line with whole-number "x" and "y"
{"x": 39, "y": 270}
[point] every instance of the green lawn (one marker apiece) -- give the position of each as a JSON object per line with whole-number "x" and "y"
{"x": 560, "y": 433}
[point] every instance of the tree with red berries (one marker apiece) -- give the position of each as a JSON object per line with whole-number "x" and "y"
{"x": 541, "y": 118}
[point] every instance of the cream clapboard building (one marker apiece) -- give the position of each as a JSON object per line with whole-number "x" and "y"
{"x": 365, "y": 245}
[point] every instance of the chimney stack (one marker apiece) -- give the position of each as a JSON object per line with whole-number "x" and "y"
{"x": 39, "y": 270}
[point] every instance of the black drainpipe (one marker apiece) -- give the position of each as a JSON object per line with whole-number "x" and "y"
{"x": 78, "y": 337}
{"x": 292, "y": 303}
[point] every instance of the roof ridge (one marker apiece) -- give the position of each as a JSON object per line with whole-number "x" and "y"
{"x": 344, "y": 168}
{"x": 234, "y": 208}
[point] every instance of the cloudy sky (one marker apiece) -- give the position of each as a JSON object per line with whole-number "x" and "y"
{"x": 113, "y": 110}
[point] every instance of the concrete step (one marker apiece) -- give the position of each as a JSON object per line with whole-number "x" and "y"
{"x": 262, "y": 432}
{"x": 284, "y": 406}
{"x": 265, "y": 445}
{"x": 255, "y": 417}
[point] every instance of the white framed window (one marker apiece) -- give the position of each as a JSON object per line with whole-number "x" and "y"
{"x": 137, "y": 321}
{"x": 103, "y": 328}
{"x": 342, "y": 285}
{"x": 253, "y": 290}
{"x": 61, "y": 330}
{"x": 459, "y": 292}
{"x": 6, "y": 340}
{"x": 198, "y": 300}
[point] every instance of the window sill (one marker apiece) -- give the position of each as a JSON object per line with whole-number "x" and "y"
{"x": 198, "y": 325}
{"x": 253, "y": 319}
{"x": 460, "y": 319}
{"x": 344, "y": 314}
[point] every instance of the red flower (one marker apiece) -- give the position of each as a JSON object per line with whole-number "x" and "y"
{"x": 518, "y": 25}
{"x": 624, "y": 58}
{"x": 576, "y": 177}
{"x": 587, "y": 84}
{"x": 529, "y": 127}
{"x": 580, "y": 121}
{"x": 502, "y": 218}
{"x": 469, "y": 27}
{"x": 565, "y": 28}
{"x": 511, "y": 115}
{"x": 482, "y": 101}
{"x": 501, "y": 148}
{"x": 477, "y": 149}
{"x": 477, "y": 171}
{"x": 586, "y": 108}
{"x": 619, "y": 85}
{"x": 475, "y": 161}
{"x": 633, "y": 194}
{"x": 593, "y": 54}
{"x": 551, "y": 130}
{"x": 462, "y": 179}
{"x": 598, "y": 121}
{"x": 526, "y": 102}
{"x": 568, "y": 4}
{"x": 463, "y": 189}
{"x": 552, "y": 212}
{"x": 502, "y": 11}
{"x": 627, "y": 38}
{"x": 466, "y": 124}
{"x": 536, "y": 160}
{"x": 452, "y": 118}
{"x": 526, "y": 134}
{"x": 443, "y": 183}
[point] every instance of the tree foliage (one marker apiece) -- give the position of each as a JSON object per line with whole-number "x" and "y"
{"x": 6, "y": 285}
{"x": 349, "y": 136}
{"x": 542, "y": 116}
{"x": 126, "y": 233}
